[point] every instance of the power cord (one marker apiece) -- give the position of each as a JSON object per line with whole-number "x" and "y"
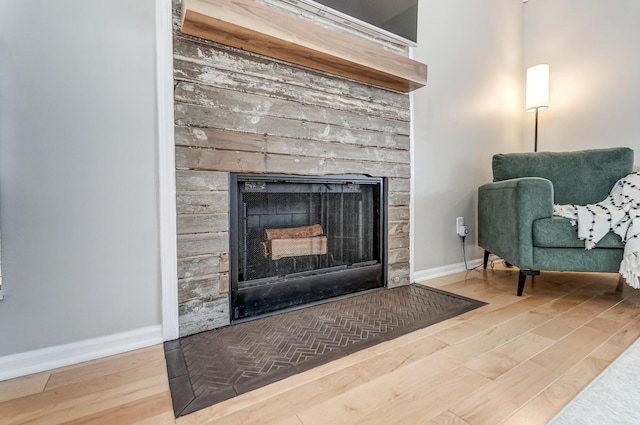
{"x": 463, "y": 231}
{"x": 464, "y": 257}
{"x": 492, "y": 262}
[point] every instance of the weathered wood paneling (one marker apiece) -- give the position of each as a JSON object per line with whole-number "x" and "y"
{"x": 398, "y": 241}
{"x": 200, "y": 116}
{"x": 202, "y": 314}
{"x": 259, "y": 105}
{"x": 202, "y": 202}
{"x": 235, "y": 161}
{"x": 203, "y": 265}
{"x": 200, "y": 181}
{"x": 398, "y": 275}
{"x": 399, "y": 185}
{"x": 202, "y": 287}
{"x": 400, "y": 255}
{"x": 250, "y": 142}
{"x": 215, "y": 65}
{"x": 399, "y": 213}
{"x": 202, "y": 223}
{"x": 240, "y": 112}
{"x": 398, "y": 227}
{"x": 399, "y": 198}
{"x": 202, "y": 244}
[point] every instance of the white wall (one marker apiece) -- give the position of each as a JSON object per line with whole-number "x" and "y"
{"x": 78, "y": 171}
{"x": 471, "y": 108}
{"x": 592, "y": 49}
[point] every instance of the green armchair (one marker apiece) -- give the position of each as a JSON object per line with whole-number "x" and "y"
{"x": 515, "y": 211}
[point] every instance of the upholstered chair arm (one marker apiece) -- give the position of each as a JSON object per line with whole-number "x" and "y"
{"x": 506, "y": 212}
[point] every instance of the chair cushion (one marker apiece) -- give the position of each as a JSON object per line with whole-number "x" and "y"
{"x": 557, "y": 232}
{"x": 581, "y": 177}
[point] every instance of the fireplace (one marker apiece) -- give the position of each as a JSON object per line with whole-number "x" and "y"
{"x": 269, "y": 121}
{"x": 296, "y": 240}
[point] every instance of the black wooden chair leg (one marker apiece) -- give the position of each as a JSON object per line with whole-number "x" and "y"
{"x": 522, "y": 278}
{"x": 486, "y": 259}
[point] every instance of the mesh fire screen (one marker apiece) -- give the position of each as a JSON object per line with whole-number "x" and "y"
{"x": 317, "y": 226}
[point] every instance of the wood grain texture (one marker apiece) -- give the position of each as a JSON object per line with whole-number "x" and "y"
{"x": 187, "y": 114}
{"x": 202, "y": 265}
{"x": 398, "y": 275}
{"x": 203, "y": 244}
{"x": 202, "y": 223}
{"x": 109, "y": 390}
{"x": 252, "y": 26}
{"x": 399, "y": 185}
{"x": 447, "y": 418}
{"x": 214, "y": 65}
{"x": 293, "y": 232}
{"x": 512, "y": 373}
{"x": 370, "y": 147}
{"x": 257, "y": 105}
{"x": 202, "y": 202}
{"x": 285, "y": 248}
{"x": 24, "y": 386}
{"x": 201, "y": 181}
{"x": 242, "y": 162}
{"x": 401, "y": 255}
{"x": 202, "y": 286}
{"x": 203, "y": 313}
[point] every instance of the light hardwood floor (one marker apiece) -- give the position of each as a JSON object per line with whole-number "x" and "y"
{"x": 515, "y": 361}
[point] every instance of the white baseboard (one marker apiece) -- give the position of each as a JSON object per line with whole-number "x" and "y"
{"x": 427, "y": 274}
{"x": 21, "y": 364}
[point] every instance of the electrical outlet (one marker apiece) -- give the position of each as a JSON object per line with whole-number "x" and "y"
{"x": 461, "y": 229}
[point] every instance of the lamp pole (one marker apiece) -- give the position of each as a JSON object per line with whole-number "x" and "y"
{"x": 535, "y": 140}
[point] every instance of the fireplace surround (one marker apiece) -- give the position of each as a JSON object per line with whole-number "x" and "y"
{"x": 295, "y": 240}
{"x": 237, "y": 112}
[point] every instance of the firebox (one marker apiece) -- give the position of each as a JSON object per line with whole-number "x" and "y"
{"x": 296, "y": 240}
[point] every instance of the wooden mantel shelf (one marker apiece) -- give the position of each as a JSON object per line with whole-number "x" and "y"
{"x": 257, "y": 28}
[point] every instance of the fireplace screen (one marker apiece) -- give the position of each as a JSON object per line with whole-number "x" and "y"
{"x": 296, "y": 240}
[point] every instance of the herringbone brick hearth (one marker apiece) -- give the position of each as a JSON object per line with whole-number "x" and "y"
{"x": 216, "y": 365}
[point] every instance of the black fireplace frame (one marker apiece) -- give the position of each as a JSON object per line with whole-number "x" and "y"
{"x": 310, "y": 288}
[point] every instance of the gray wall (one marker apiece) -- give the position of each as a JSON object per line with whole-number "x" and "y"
{"x": 78, "y": 171}
{"x": 471, "y": 108}
{"x": 592, "y": 50}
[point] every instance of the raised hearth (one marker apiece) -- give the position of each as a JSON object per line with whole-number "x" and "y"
{"x": 217, "y": 365}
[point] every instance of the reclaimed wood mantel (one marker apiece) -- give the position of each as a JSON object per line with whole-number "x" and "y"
{"x": 257, "y": 28}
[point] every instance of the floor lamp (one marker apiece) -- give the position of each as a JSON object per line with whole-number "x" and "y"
{"x": 537, "y": 93}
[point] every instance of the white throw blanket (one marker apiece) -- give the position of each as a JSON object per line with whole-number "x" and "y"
{"x": 619, "y": 213}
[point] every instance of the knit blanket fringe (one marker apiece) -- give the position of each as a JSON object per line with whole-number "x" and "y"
{"x": 618, "y": 213}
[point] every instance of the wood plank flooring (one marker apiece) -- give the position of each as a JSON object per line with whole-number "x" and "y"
{"x": 517, "y": 360}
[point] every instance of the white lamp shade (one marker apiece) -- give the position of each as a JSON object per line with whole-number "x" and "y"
{"x": 538, "y": 87}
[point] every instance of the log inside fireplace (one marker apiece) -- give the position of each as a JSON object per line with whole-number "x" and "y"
{"x": 293, "y": 242}
{"x": 298, "y": 240}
